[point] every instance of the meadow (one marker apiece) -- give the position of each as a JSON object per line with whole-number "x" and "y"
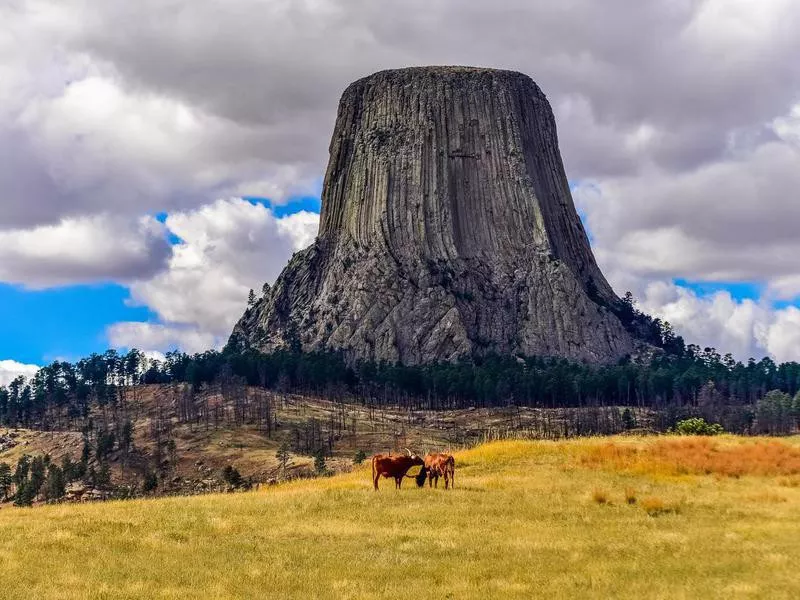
{"x": 661, "y": 517}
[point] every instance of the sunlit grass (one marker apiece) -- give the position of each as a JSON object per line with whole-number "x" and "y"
{"x": 697, "y": 456}
{"x": 522, "y": 522}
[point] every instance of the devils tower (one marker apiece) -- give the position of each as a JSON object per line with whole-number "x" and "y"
{"x": 447, "y": 230}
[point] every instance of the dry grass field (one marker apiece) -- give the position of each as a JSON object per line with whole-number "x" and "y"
{"x": 602, "y": 518}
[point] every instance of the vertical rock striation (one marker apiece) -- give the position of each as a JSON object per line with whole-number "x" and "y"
{"x": 447, "y": 229}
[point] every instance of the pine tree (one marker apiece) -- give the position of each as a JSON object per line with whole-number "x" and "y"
{"x": 102, "y": 478}
{"x": 283, "y": 457}
{"x": 6, "y": 480}
{"x": 55, "y": 485}
{"x": 319, "y": 462}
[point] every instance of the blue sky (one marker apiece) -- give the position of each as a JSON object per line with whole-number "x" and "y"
{"x": 61, "y": 323}
{"x": 68, "y": 323}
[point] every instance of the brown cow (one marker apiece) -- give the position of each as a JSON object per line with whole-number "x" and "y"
{"x": 393, "y": 466}
{"x": 438, "y": 465}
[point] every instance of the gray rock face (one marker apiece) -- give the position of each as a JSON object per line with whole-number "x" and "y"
{"x": 447, "y": 229}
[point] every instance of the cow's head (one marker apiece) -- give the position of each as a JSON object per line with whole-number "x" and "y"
{"x": 421, "y": 477}
{"x": 415, "y": 460}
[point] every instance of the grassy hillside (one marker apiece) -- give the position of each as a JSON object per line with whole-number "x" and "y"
{"x": 189, "y": 453}
{"x": 613, "y": 517}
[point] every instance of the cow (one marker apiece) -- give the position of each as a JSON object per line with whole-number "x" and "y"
{"x": 393, "y": 466}
{"x": 440, "y": 465}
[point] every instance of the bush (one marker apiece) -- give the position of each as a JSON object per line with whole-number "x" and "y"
{"x": 698, "y": 426}
{"x": 150, "y": 482}
{"x": 600, "y": 496}
{"x": 232, "y": 476}
{"x": 360, "y": 457}
{"x": 628, "y": 420}
{"x": 630, "y": 496}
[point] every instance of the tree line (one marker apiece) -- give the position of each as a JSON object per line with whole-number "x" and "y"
{"x": 695, "y": 380}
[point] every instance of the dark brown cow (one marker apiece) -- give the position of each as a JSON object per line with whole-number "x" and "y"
{"x": 438, "y": 465}
{"x": 388, "y": 465}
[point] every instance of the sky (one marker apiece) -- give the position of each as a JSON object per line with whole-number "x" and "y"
{"x": 160, "y": 159}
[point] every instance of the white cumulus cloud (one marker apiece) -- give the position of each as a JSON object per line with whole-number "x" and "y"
{"x": 226, "y": 248}
{"x": 11, "y": 369}
{"x": 83, "y": 250}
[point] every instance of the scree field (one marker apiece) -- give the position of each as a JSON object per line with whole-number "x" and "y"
{"x": 604, "y": 518}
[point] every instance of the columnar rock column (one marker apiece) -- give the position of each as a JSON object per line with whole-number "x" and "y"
{"x": 447, "y": 229}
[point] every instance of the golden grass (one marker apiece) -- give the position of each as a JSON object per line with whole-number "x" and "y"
{"x": 654, "y": 506}
{"x": 697, "y": 456}
{"x": 518, "y": 525}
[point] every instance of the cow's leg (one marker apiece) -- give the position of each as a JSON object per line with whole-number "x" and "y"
{"x": 398, "y": 481}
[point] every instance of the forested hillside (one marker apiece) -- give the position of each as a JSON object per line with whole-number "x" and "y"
{"x": 697, "y": 381}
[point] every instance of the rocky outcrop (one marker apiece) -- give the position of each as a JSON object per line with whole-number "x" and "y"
{"x": 447, "y": 229}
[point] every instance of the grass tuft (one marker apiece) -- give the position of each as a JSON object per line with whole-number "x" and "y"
{"x": 600, "y": 496}
{"x": 655, "y": 506}
{"x": 630, "y": 495}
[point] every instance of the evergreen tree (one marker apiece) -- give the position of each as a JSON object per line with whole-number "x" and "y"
{"x": 38, "y": 474}
{"x": 283, "y": 457}
{"x": 319, "y": 462}
{"x": 628, "y": 420}
{"x": 6, "y": 480}
{"x": 102, "y": 479}
{"x": 55, "y": 485}
{"x": 22, "y": 471}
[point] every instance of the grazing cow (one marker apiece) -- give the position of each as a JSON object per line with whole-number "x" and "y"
{"x": 440, "y": 465}
{"x": 393, "y": 466}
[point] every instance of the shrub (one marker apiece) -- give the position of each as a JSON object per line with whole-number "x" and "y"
{"x": 630, "y": 496}
{"x": 231, "y": 476}
{"x": 600, "y": 496}
{"x": 698, "y": 426}
{"x": 360, "y": 457}
{"x": 628, "y": 420}
{"x": 150, "y": 481}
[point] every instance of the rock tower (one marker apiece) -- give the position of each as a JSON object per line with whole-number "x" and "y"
{"x": 447, "y": 230}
